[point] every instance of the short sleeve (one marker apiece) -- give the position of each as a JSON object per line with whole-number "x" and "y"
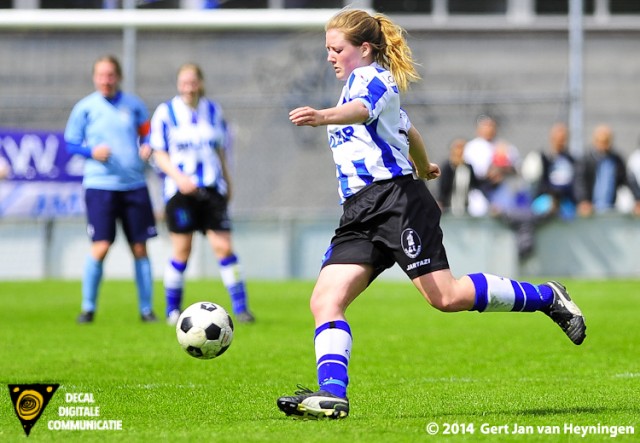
{"x": 366, "y": 86}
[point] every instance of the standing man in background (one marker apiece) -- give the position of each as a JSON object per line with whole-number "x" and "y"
{"x": 554, "y": 188}
{"x": 110, "y": 129}
{"x": 600, "y": 173}
{"x": 456, "y": 182}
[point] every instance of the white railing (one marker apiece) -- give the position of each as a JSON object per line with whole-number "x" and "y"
{"x": 292, "y": 19}
{"x": 219, "y": 19}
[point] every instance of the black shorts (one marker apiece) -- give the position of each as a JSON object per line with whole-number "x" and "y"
{"x": 203, "y": 211}
{"x": 387, "y": 222}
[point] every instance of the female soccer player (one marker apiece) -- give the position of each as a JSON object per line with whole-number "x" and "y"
{"x": 388, "y": 216}
{"x": 110, "y": 128}
{"x": 188, "y": 137}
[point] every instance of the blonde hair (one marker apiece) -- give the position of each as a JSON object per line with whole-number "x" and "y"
{"x": 197, "y": 70}
{"x": 387, "y": 40}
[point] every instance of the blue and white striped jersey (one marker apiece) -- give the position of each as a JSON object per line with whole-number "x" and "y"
{"x": 118, "y": 123}
{"x": 194, "y": 140}
{"x": 377, "y": 149}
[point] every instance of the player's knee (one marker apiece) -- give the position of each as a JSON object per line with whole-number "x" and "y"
{"x": 100, "y": 249}
{"x": 316, "y": 305}
{"x": 139, "y": 250}
{"x": 323, "y": 307}
{"x": 444, "y": 305}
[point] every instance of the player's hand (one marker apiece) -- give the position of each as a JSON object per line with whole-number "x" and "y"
{"x": 145, "y": 152}
{"x": 430, "y": 173}
{"x": 185, "y": 185}
{"x": 305, "y": 116}
{"x": 101, "y": 153}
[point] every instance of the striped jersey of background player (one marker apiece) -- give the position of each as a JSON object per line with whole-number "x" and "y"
{"x": 189, "y": 137}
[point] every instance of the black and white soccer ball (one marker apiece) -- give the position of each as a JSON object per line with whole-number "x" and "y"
{"x": 205, "y": 330}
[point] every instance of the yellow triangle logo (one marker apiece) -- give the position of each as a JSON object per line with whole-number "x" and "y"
{"x": 29, "y": 402}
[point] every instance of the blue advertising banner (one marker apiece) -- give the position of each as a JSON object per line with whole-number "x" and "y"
{"x": 41, "y": 180}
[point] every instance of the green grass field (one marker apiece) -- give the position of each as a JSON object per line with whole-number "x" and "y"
{"x": 411, "y": 366}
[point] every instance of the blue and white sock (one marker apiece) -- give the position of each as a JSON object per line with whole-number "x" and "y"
{"x": 174, "y": 284}
{"x": 231, "y": 275}
{"x": 499, "y": 294}
{"x": 91, "y": 279}
{"x": 333, "y": 349}
{"x": 144, "y": 283}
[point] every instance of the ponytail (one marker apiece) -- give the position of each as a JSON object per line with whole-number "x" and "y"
{"x": 396, "y": 55}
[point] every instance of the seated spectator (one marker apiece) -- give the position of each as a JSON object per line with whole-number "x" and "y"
{"x": 502, "y": 162}
{"x": 492, "y": 160}
{"x": 456, "y": 183}
{"x": 599, "y": 175}
{"x": 506, "y": 189}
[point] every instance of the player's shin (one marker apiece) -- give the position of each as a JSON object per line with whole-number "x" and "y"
{"x": 494, "y": 294}
{"x": 91, "y": 283}
{"x": 174, "y": 285}
{"x": 144, "y": 284}
{"x": 333, "y": 349}
{"x": 231, "y": 275}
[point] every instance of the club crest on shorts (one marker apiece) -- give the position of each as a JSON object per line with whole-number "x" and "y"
{"x": 411, "y": 243}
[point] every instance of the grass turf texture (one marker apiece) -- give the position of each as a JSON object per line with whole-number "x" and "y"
{"x": 411, "y": 366}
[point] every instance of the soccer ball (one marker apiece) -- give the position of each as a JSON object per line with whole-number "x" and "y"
{"x": 204, "y": 330}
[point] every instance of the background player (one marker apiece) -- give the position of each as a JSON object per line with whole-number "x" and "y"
{"x": 110, "y": 128}
{"x": 189, "y": 136}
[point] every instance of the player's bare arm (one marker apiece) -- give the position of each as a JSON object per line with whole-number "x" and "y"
{"x": 225, "y": 172}
{"x": 418, "y": 154}
{"x": 349, "y": 113}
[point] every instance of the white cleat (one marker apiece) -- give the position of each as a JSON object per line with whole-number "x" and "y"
{"x": 307, "y": 404}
